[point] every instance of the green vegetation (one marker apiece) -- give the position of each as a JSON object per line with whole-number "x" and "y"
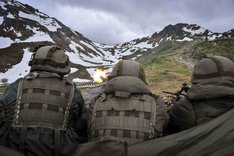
{"x": 163, "y": 70}
{"x": 224, "y": 47}
{"x": 165, "y": 65}
{"x": 2, "y": 90}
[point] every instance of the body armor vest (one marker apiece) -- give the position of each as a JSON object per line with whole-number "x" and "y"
{"x": 125, "y": 110}
{"x": 43, "y": 100}
{"x": 130, "y": 118}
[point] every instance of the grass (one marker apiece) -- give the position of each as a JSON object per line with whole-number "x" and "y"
{"x": 164, "y": 73}
{"x": 2, "y": 90}
{"x": 224, "y": 47}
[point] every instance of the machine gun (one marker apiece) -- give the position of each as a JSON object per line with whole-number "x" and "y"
{"x": 90, "y": 90}
{"x": 179, "y": 94}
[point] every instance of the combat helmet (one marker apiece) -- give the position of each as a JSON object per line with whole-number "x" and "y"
{"x": 128, "y": 68}
{"x": 213, "y": 68}
{"x": 50, "y": 58}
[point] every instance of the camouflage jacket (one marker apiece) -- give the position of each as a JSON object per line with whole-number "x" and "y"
{"x": 204, "y": 102}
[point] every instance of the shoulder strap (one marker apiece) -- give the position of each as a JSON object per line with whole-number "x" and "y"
{"x": 18, "y": 100}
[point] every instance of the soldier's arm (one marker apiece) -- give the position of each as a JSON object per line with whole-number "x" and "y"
{"x": 161, "y": 115}
{"x": 8, "y": 100}
{"x": 77, "y": 107}
{"x": 181, "y": 116}
{"x": 76, "y": 120}
{"x": 2, "y": 114}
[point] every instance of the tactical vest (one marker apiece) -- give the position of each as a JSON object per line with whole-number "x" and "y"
{"x": 44, "y": 100}
{"x": 126, "y": 115}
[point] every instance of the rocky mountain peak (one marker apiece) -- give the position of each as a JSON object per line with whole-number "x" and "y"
{"x": 183, "y": 31}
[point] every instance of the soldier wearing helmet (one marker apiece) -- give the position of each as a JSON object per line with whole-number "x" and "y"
{"x": 127, "y": 109}
{"x": 211, "y": 94}
{"x": 42, "y": 109}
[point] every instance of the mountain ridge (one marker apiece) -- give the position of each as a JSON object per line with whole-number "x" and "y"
{"x": 23, "y": 27}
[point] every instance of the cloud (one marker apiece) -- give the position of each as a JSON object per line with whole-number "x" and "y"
{"x": 123, "y": 20}
{"x": 97, "y": 25}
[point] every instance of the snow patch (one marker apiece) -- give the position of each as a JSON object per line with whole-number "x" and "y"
{"x": 5, "y": 42}
{"x": 102, "y": 45}
{"x": 210, "y": 33}
{"x": 213, "y": 37}
{"x": 168, "y": 38}
{"x": 184, "y": 39}
{"x": 2, "y": 5}
{"x": 73, "y": 70}
{"x": 143, "y": 45}
{"x": 91, "y": 71}
{"x": 49, "y": 23}
{"x": 156, "y": 44}
{"x": 89, "y": 46}
{"x": 42, "y": 14}
{"x": 74, "y": 57}
{"x": 193, "y": 32}
{"x": 38, "y": 36}
{"x": 10, "y": 16}
{"x": 90, "y": 59}
{"x": 1, "y": 20}
{"x": 18, "y": 34}
{"x": 73, "y": 46}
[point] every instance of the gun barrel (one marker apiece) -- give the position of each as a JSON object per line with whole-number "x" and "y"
{"x": 166, "y": 92}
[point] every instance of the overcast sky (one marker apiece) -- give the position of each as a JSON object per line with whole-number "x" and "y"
{"x": 116, "y": 21}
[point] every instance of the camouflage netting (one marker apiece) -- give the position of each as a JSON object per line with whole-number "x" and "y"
{"x": 212, "y": 138}
{"x": 4, "y": 151}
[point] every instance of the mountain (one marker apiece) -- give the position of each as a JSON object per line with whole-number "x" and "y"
{"x": 171, "y": 64}
{"x": 22, "y": 28}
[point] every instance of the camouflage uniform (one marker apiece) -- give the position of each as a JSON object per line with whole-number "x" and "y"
{"x": 211, "y": 94}
{"x": 127, "y": 109}
{"x": 42, "y": 110}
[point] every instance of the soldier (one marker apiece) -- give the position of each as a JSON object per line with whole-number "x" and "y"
{"x": 211, "y": 94}
{"x": 127, "y": 109}
{"x": 42, "y": 109}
